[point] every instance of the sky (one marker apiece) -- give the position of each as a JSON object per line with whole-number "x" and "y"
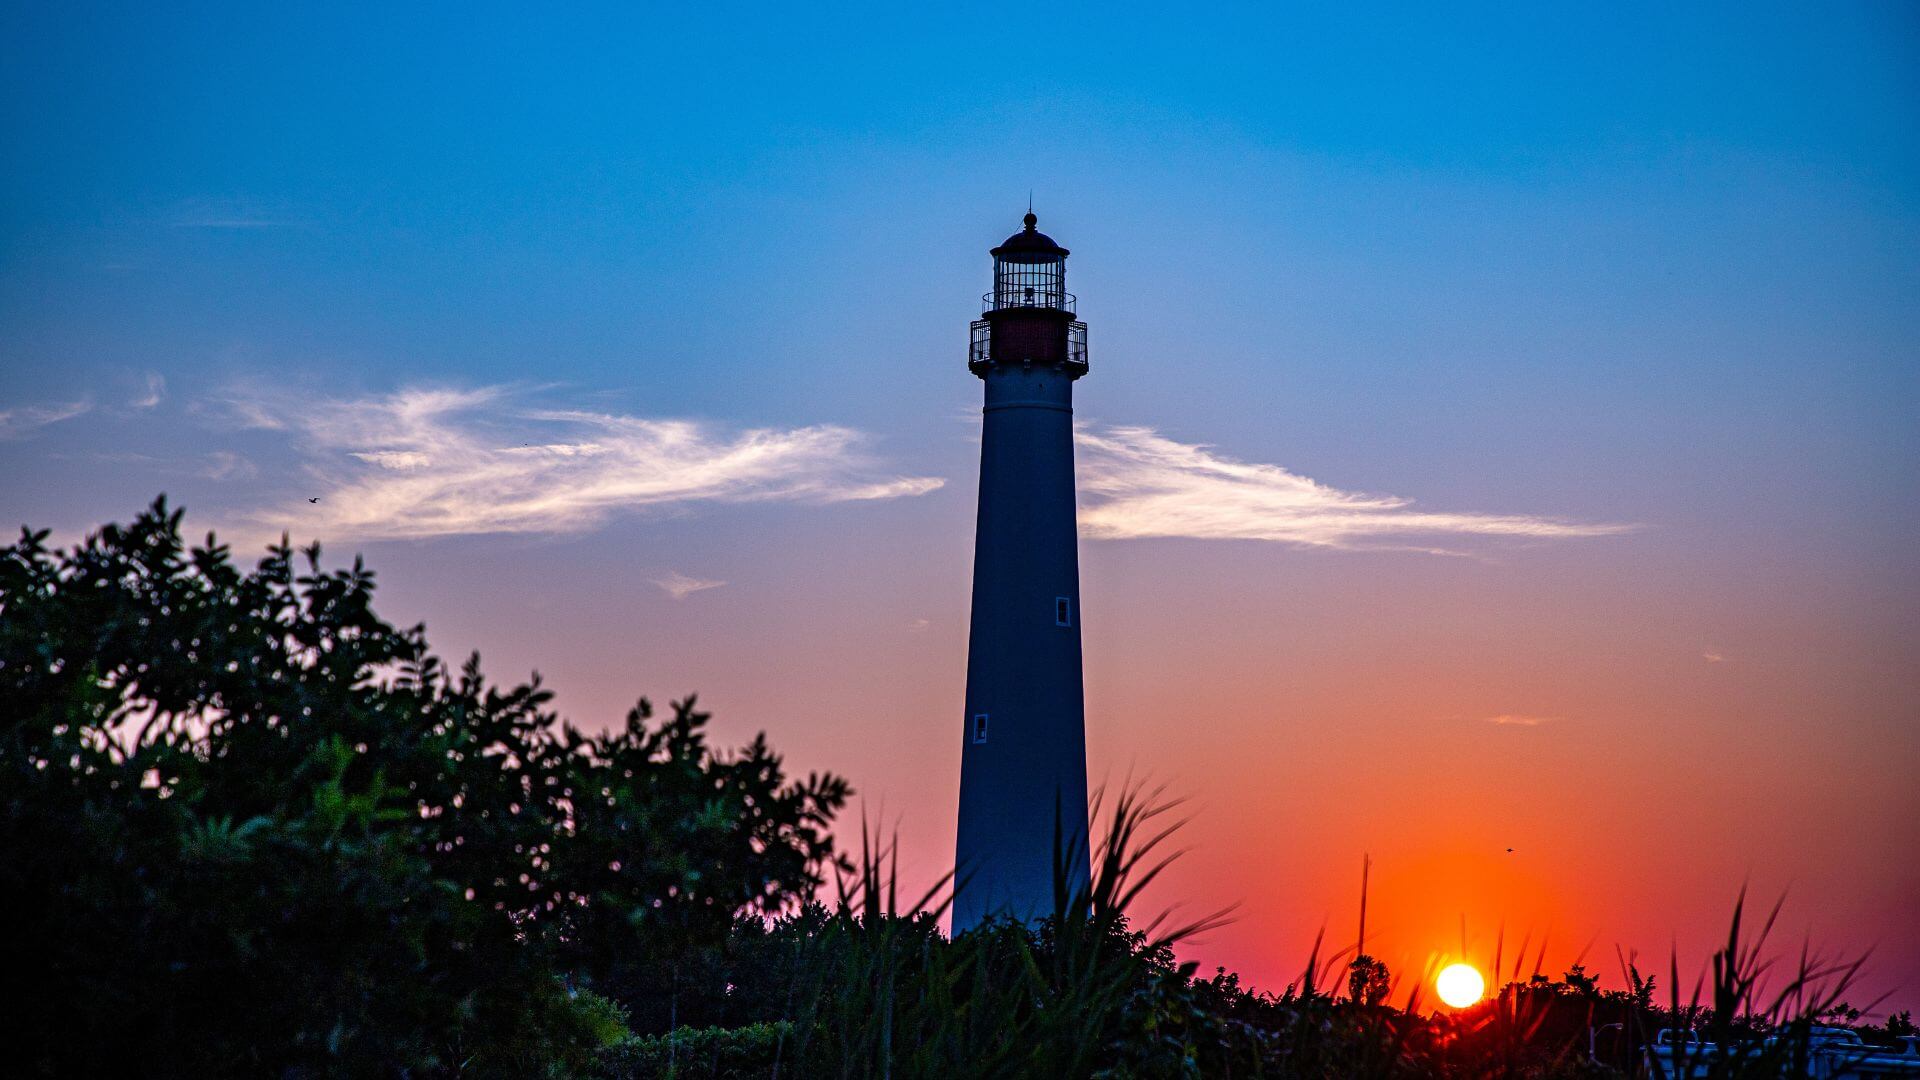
{"x": 1501, "y": 430}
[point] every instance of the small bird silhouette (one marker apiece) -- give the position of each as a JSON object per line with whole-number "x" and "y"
{"x": 315, "y": 500}
{"x": 1509, "y": 851}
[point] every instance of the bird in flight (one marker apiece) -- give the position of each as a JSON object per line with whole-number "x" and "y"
{"x": 1509, "y": 851}
{"x": 315, "y": 500}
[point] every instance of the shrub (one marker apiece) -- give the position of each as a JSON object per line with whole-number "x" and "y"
{"x": 253, "y": 829}
{"x": 710, "y": 1053}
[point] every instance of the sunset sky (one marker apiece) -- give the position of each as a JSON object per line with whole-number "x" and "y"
{"x": 1501, "y": 433}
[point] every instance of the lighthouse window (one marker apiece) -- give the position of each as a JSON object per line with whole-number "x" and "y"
{"x": 1017, "y": 283}
{"x": 980, "y": 727}
{"x": 1062, "y": 611}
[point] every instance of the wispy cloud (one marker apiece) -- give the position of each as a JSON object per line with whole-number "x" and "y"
{"x": 1712, "y": 657}
{"x": 680, "y": 586}
{"x": 247, "y": 409}
{"x": 441, "y": 462}
{"x": 227, "y": 465}
{"x": 1137, "y": 483}
{"x": 1517, "y": 720}
{"x": 155, "y": 392}
{"x": 227, "y": 213}
{"x": 24, "y": 420}
{"x": 214, "y": 465}
{"x": 395, "y": 459}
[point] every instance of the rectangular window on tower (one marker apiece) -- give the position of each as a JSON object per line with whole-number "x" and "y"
{"x": 1062, "y": 611}
{"x": 980, "y": 727}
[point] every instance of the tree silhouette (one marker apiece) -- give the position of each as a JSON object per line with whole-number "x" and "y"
{"x": 1368, "y": 980}
{"x": 252, "y": 829}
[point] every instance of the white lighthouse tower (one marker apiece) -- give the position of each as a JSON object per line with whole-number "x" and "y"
{"x": 1023, "y": 772}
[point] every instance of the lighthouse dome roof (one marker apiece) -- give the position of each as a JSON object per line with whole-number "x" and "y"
{"x": 1029, "y": 245}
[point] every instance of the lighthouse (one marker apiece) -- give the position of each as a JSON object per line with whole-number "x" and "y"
{"x": 1023, "y": 760}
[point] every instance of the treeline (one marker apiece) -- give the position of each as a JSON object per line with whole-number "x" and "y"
{"x": 251, "y": 829}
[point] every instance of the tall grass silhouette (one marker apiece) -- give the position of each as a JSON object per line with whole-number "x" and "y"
{"x": 871, "y": 987}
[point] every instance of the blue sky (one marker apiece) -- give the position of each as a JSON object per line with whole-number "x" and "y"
{"x": 771, "y": 219}
{"x": 1645, "y": 275}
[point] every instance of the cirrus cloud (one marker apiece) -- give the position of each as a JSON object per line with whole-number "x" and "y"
{"x": 680, "y": 586}
{"x": 23, "y": 420}
{"x": 154, "y": 393}
{"x": 1520, "y": 720}
{"x": 1136, "y": 483}
{"x": 425, "y": 462}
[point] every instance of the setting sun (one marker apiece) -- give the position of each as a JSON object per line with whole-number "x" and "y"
{"x": 1460, "y": 985}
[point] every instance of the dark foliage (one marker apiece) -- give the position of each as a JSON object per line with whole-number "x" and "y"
{"x": 1368, "y": 980}
{"x": 692, "y": 1053}
{"x": 251, "y": 829}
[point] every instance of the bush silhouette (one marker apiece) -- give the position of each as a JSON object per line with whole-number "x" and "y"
{"x": 253, "y": 829}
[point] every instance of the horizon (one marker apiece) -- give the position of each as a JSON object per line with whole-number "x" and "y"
{"x": 1499, "y": 436}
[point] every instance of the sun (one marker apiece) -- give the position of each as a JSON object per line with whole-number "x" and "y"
{"x": 1459, "y": 985}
